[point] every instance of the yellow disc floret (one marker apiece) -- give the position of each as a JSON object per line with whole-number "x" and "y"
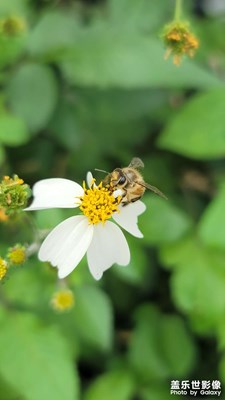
{"x": 17, "y": 254}
{"x": 62, "y": 300}
{"x": 98, "y": 203}
{"x": 3, "y": 268}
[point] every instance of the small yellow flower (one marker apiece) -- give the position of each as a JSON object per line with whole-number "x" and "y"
{"x": 14, "y": 194}
{"x": 13, "y": 25}
{"x": 62, "y": 300}
{"x": 179, "y": 41}
{"x": 17, "y": 254}
{"x": 3, "y": 268}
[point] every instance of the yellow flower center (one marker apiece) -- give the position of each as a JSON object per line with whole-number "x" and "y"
{"x": 17, "y": 255}
{"x": 62, "y": 300}
{"x": 98, "y": 203}
{"x": 3, "y": 268}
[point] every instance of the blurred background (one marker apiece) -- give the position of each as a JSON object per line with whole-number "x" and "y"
{"x": 84, "y": 85}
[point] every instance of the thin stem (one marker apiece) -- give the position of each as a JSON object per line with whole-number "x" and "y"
{"x": 178, "y": 10}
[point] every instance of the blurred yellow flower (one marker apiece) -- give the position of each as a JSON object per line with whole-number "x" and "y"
{"x": 179, "y": 41}
{"x": 3, "y": 268}
{"x": 62, "y": 300}
{"x": 17, "y": 254}
{"x": 14, "y": 193}
{"x": 13, "y": 25}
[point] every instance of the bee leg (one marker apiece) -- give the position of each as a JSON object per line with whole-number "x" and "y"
{"x": 135, "y": 199}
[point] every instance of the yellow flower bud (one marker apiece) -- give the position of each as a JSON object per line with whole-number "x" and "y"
{"x": 179, "y": 41}
{"x": 62, "y": 300}
{"x": 17, "y": 254}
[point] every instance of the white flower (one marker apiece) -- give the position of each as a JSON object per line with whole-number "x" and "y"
{"x": 91, "y": 232}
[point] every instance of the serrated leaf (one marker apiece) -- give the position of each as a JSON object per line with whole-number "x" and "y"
{"x": 35, "y": 360}
{"x": 13, "y": 131}
{"x": 197, "y": 130}
{"x": 93, "y": 317}
{"x": 115, "y": 385}
{"x": 32, "y": 94}
{"x": 212, "y": 224}
{"x": 163, "y": 222}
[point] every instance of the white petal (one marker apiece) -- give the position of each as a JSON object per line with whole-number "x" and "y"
{"x": 108, "y": 246}
{"x": 90, "y": 179}
{"x": 55, "y": 193}
{"x": 66, "y": 245}
{"x": 118, "y": 192}
{"x": 127, "y": 217}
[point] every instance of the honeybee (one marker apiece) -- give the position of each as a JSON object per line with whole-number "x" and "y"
{"x": 130, "y": 182}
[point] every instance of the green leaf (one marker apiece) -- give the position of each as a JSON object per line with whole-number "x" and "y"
{"x": 212, "y": 224}
{"x": 197, "y": 130}
{"x": 115, "y": 385}
{"x": 54, "y": 31}
{"x": 35, "y": 360}
{"x": 127, "y": 60}
{"x": 177, "y": 345}
{"x": 32, "y": 94}
{"x": 48, "y": 219}
{"x": 222, "y": 368}
{"x": 163, "y": 222}
{"x": 2, "y": 154}
{"x": 7, "y": 393}
{"x": 198, "y": 271}
{"x": 11, "y": 49}
{"x": 156, "y": 392}
{"x": 139, "y": 267}
{"x": 93, "y": 317}
{"x": 142, "y": 14}
{"x": 31, "y": 275}
{"x": 165, "y": 343}
{"x": 173, "y": 254}
{"x": 13, "y": 7}
{"x": 65, "y": 121}
{"x": 13, "y": 131}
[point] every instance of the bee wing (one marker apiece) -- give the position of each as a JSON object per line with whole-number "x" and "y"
{"x": 136, "y": 163}
{"x": 153, "y": 189}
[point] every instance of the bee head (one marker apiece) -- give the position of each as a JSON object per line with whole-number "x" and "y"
{"x": 118, "y": 178}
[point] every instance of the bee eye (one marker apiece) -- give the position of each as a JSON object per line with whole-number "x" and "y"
{"x": 122, "y": 180}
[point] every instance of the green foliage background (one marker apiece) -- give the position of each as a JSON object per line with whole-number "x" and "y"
{"x": 87, "y": 86}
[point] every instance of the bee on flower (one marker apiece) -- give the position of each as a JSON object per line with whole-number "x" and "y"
{"x": 92, "y": 232}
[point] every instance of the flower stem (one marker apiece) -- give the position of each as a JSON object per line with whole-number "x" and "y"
{"x": 178, "y": 10}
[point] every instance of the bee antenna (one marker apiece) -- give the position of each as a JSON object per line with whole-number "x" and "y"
{"x": 101, "y": 170}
